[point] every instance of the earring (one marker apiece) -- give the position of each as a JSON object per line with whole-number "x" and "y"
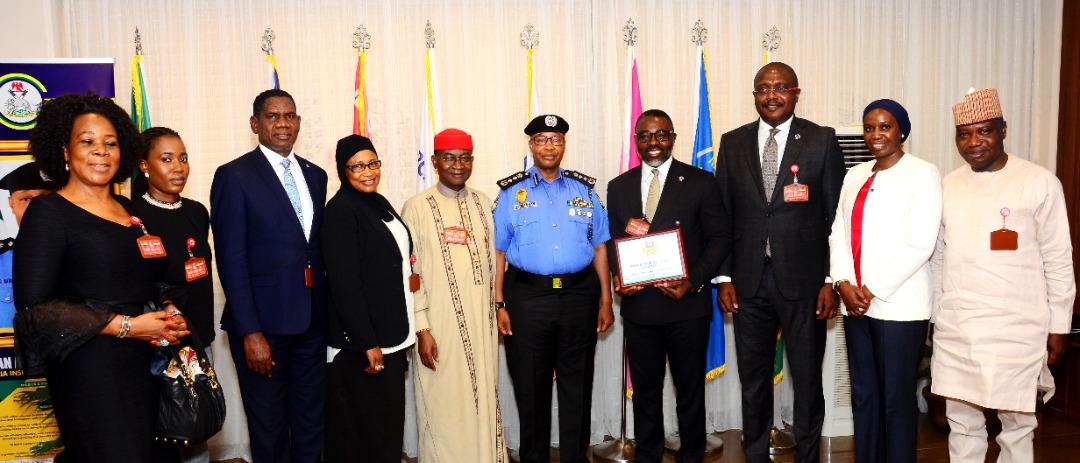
{"x": 146, "y": 174}
{"x": 65, "y": 165}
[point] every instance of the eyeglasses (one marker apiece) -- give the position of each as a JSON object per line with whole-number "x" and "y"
{"x": 662, "y": 136}
{"x": 450, "y": 159}
{"x": 781, "y": 90}
{"x": 360, "y": 166}
{"x": 556, "y": 140}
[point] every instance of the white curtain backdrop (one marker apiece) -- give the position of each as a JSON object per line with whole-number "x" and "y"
{"x": 203, "y": 67}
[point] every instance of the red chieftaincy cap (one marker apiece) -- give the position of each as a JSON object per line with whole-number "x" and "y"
{"x": 453, "y": 139}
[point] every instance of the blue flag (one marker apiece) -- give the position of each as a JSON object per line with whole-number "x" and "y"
{"x": 705, "y": 159}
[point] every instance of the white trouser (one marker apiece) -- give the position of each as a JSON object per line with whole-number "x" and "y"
{"x": 967, "y": 436}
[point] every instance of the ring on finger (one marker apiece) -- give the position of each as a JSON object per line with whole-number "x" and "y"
{"x": 163, "y": 342}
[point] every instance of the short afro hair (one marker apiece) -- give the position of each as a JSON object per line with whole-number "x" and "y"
{"x": 260, "y": 100}
{"x": 655, "y": 113}
{"x": 53, "y": 131}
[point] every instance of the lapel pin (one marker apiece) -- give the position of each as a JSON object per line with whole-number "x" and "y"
{"x": 797, "y": 136}
{"x": 681, "y": 178}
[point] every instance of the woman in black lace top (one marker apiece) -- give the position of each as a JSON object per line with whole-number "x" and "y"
{"x": 84, "y": 291}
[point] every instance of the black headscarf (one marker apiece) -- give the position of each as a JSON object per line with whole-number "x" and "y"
{"x": 346, "y": 148}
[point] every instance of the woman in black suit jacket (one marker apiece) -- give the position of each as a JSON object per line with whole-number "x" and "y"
{"x": 367, "y": 249}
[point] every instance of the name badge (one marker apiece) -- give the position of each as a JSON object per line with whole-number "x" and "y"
{"x": 796, "y": 192}
{"x": 150, "y": 246}
{"x": 414, "y": 283}
{"x": 637, "y": 227}
{"x": 194, "y": 267}
{"x": 455, "y": 235}
{"x": 1004, "y": 239}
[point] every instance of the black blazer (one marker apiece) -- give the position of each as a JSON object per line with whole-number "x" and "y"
{"x": 261, "y": 250}
{"x": 798, "y": 232}
{"x": 690, "y": 201}
{"x": 363, "y": 264}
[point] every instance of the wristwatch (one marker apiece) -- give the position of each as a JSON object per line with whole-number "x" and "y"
{"x": 500, "y": 305}
{"x": 836, "y": 284}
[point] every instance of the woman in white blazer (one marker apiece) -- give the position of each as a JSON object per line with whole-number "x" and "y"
{"x": 885, "y": 230}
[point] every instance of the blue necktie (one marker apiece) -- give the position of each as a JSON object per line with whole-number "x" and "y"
{"x": 290, "y": 189}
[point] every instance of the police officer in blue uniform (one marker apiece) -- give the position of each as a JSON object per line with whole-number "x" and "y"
{"x": 552, "y": 291}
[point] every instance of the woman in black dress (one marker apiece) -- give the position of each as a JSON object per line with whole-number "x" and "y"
{"x": 367, "y": 248}
{"x": 179, "y": 221}
{"x": 184, "y": 227}
{"x": 88, "y": 300}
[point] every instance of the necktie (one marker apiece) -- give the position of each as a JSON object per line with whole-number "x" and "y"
{"x": 654, "y": 195}
{"x": 769, "y": 164}
{"x": 856, "y": 227}
{"x": 291, "y": 191}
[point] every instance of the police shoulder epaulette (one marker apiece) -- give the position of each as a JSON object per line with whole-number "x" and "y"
{"x": 511, "y": 180}
{"x": 587, "y": 180}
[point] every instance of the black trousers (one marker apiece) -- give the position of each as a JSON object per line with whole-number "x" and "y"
{"x": 285, "y": 411}
{"x": 554, "y": 339}
{"x": 651, "y": 349}
{"x": 884, "y": 356}
{"x": 755, "y": 341}
{"x": 365, "y": 413}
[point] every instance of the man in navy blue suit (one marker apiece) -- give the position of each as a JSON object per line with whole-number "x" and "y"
{"x": 266, "y": 208}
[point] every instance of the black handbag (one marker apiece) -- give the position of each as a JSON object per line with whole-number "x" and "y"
{"x": 191, "y": 405}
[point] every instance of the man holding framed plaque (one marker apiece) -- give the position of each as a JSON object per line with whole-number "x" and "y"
{"x": 670, "y": 233}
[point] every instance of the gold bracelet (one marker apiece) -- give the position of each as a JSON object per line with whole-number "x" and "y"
{"x": 423, "y": 330}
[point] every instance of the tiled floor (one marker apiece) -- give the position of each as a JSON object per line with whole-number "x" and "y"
{"x": 1056, "y": 440}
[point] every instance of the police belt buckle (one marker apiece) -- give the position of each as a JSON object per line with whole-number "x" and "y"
{"x": 556, "y": 283}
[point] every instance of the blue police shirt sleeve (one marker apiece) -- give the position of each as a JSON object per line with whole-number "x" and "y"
{"x": 504, "y": 229}
{"x": 601, "y": 232}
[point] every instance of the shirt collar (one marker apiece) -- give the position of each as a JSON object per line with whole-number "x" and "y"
{"x": 784, "y": 127}
{"x": 534, "y": 173}
{"x": 664, "y": 168}
{"x": 274, "y": 158}
{"x": 449, "y": 193}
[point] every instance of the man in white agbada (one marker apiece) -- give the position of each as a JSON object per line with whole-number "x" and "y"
{"x": 1006, "y": 287}
{"x": 457, "y": 397}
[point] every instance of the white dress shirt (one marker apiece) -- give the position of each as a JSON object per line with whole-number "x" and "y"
{"x": 781, "y": 139}
{"x": 306, "y": 205}
{"x": 646, "y": 179}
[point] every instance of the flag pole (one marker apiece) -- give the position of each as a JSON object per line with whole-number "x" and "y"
{"x": 621, "y": 450}
{"x": 530, "y": 39}
{"x": 781, "y": 441}
{"x": 361, "y": 41}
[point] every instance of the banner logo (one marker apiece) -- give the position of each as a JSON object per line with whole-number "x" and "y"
{"x": 20, "y": 100}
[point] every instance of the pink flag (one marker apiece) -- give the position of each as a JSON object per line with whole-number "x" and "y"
{"x": 629, "y": 158}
